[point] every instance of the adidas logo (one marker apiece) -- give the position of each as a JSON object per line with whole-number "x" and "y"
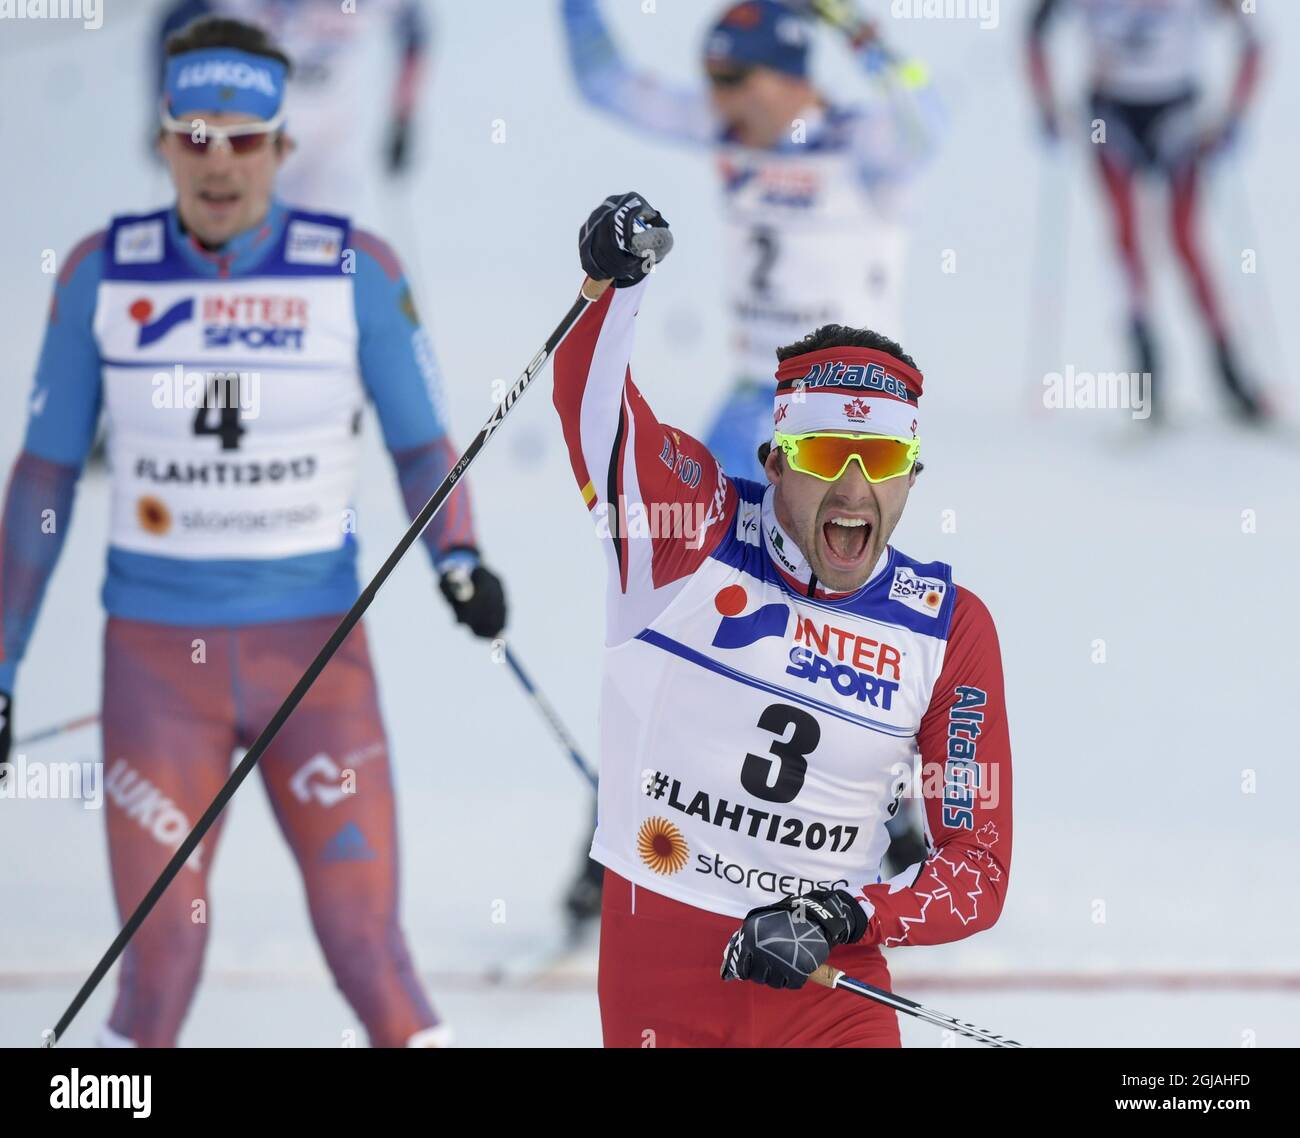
{"x": 349, "y": 844}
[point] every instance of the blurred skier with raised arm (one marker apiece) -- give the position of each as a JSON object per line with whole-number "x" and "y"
{"x": 814, "y": 186}
{"x": 774, "y": 667}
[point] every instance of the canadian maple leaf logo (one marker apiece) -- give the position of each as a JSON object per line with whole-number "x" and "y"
{"x": 961, "y": 889}
{"x": 923, "y": 900}
{"x": 957, "y": 883}
{"x": 987, "y": 835}
{"x": 856, "y": 408}
{"x": 991, "y": 867}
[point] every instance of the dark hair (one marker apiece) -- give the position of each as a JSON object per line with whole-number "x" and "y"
{"x": 842, "y": 336}
{"x": 839, "y": 336}
{"x": 217, "y": 31}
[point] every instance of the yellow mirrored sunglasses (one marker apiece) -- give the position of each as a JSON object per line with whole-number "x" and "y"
{"x": 827, "y": 454}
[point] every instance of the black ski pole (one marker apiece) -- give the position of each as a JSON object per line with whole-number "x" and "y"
{"x": 830, "y": 977}
{"x": 553, "y": 720}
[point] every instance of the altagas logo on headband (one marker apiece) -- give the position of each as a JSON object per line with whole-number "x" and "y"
{"x": 871, "y": 377}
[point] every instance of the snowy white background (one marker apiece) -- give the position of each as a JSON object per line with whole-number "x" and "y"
{"x": 1073, "y": 526}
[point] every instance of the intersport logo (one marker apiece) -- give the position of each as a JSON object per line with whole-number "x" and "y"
{"x": 241, "y": 320}
{"x": 154, "y": 328}
{"x": 851, "y": 664}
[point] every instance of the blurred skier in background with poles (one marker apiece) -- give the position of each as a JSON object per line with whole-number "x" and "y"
{"x": 1150, "y": 120}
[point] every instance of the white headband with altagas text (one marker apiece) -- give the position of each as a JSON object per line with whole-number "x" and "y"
{"x": 848, "y": 390}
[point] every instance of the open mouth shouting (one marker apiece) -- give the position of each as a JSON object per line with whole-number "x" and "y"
{"x": 845, "y": 541}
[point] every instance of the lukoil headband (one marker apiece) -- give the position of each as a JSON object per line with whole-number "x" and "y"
{"x": 224, "y": 79}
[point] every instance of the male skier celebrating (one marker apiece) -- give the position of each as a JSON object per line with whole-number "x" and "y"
{"x": 815, "y": 204}
{"x": 773, "y": 669}
{"x": 1146, "y": 88}
{"x": 232, "y": 342}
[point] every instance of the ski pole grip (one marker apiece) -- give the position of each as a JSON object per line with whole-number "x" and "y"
{"x": 657, "y": 241}
{"x": 826, "y": 976}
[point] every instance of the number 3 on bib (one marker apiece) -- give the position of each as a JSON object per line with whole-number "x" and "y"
{"x": 778, "y": 776}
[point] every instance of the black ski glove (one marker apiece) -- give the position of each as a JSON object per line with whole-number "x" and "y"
{"x": 477, "y": 597}
{"x": 605, "y": 241}
{"x": 782, "y": 945}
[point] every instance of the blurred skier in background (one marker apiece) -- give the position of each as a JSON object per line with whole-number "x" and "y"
{"x": 813, "y": 187}
{"x": 814, "y": 193}
{"x": 330, "y": 89}
{"x": 1147, "y": 81}
{"x": 331, "y": 163}
{"x": 232, "y": 548}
